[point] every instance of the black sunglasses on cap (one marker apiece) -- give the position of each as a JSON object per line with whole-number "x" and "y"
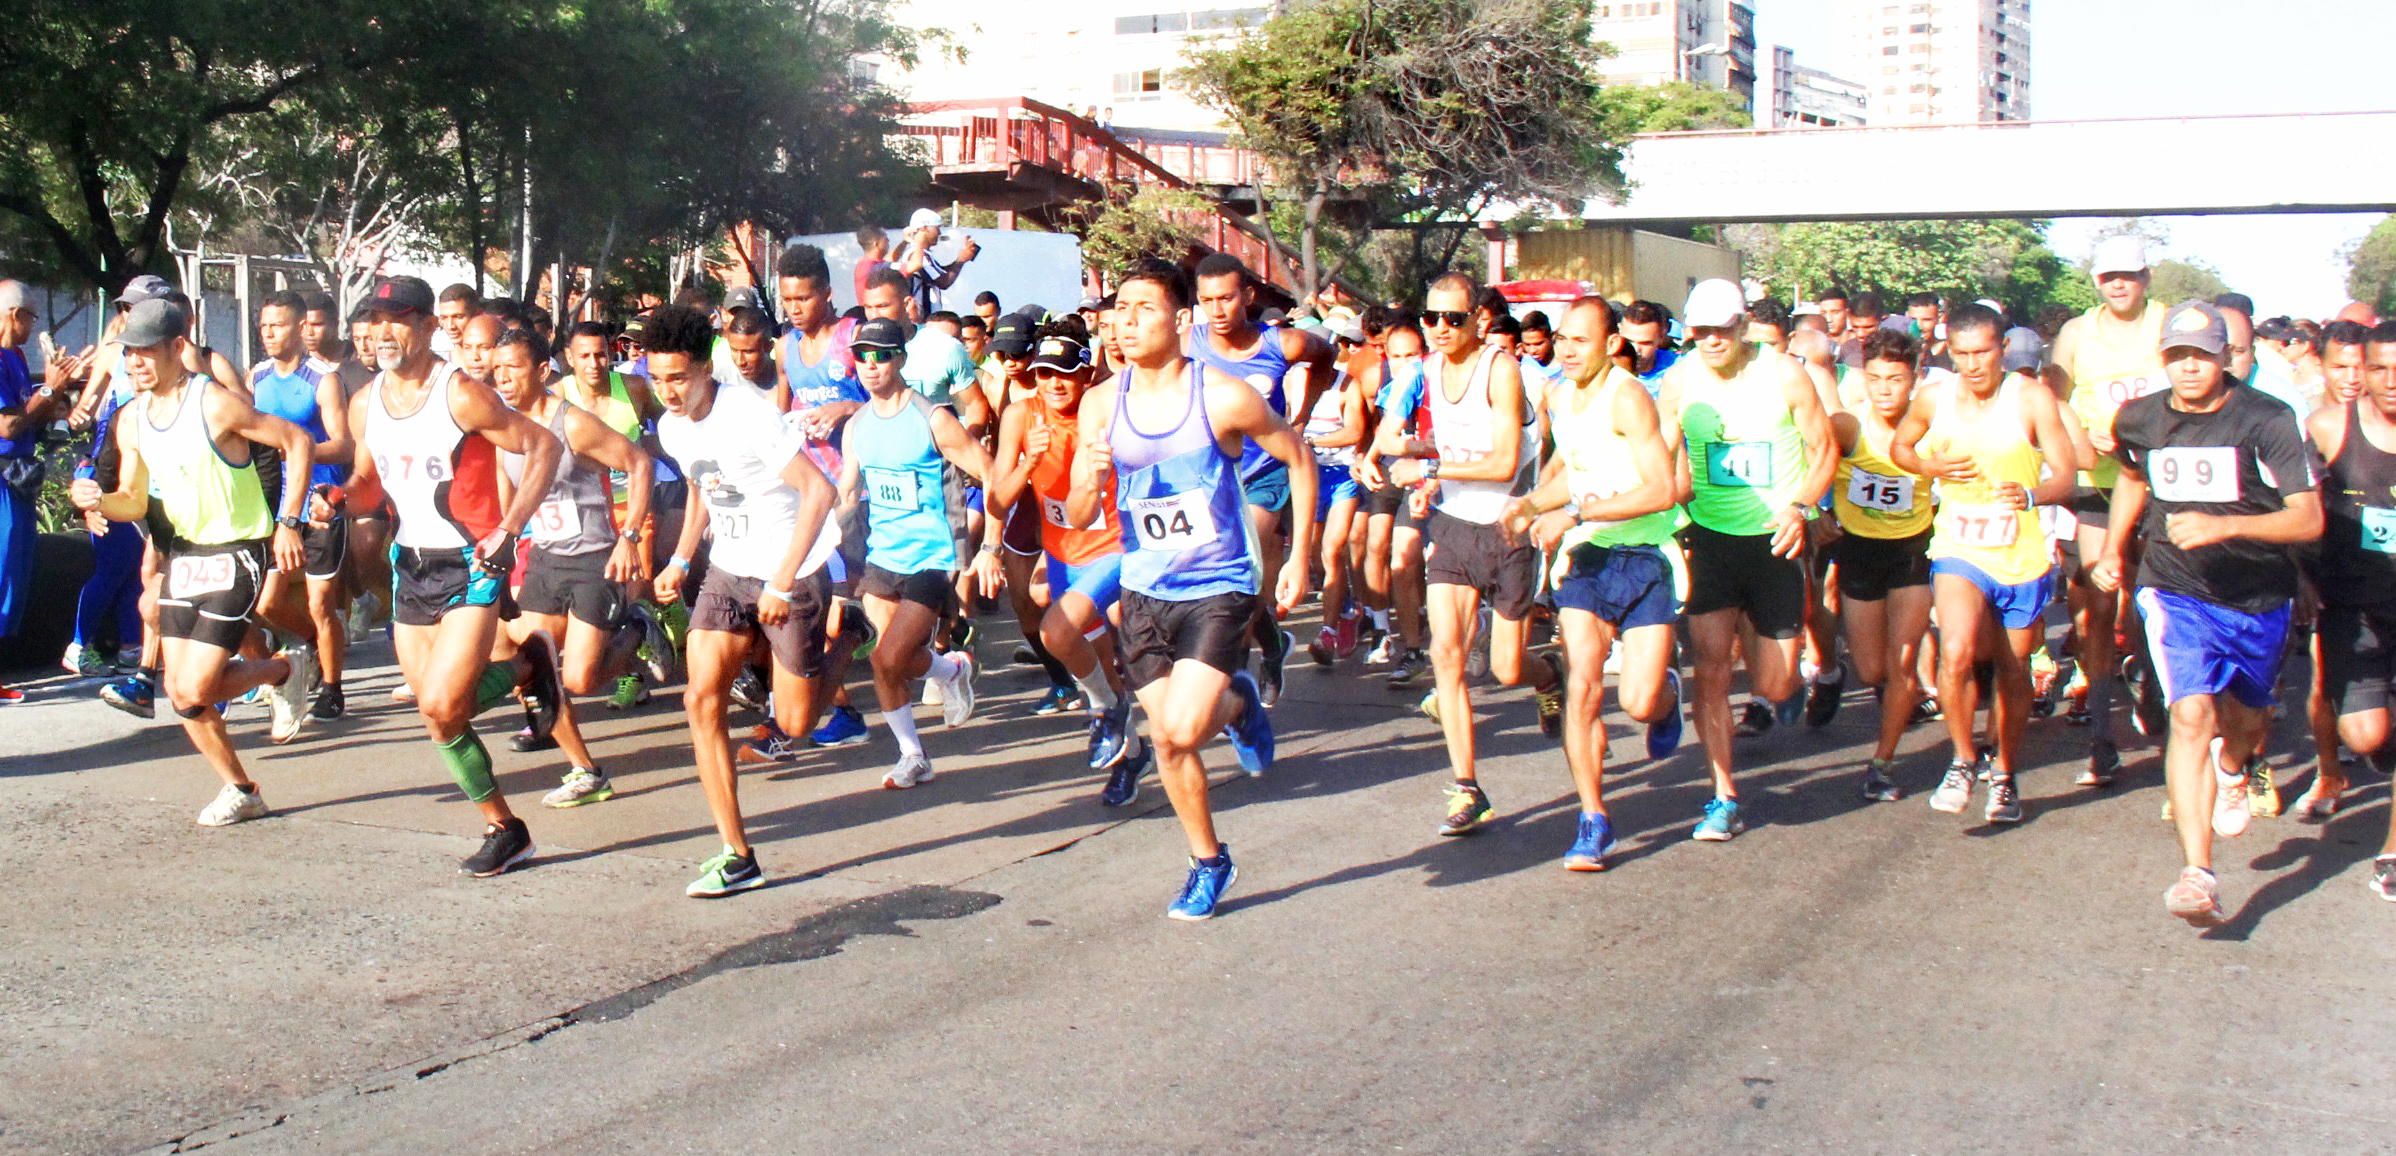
{"x": 1452, "y": 318}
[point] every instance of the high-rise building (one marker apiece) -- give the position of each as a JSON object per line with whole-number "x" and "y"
{"x": 1708, "y": 42}
{"x": 1802, "y": 97}
{"x": 1116, "y": 57}
{"x": 1937, "y": 61}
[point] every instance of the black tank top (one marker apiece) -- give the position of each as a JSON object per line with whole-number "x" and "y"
{"x": 2358, "y": 534}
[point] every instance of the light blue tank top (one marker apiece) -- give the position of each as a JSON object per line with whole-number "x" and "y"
{"x": 907, "y": 528}
{"x": 1264, "y": 368}
{"x": 292, "y": 397}
{"x": 1178, "y": 495}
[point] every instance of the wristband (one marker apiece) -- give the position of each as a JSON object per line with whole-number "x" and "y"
{"x": 679, "y": 560}
{"x": 782, "y": 596}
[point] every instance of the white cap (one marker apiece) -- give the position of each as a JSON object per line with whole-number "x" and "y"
{"x": 2118, "y": 255}
{"x": 12, "y": 296}
{"x": 1713, "y": 304}
{"x": 1806, "y": 309}
{"x": 924, "y": 219}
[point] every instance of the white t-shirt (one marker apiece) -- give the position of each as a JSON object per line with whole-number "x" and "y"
{"x": 736, "y": 454}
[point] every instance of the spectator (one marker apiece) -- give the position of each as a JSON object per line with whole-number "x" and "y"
{"x": 24, "y": 412}
{"x": 873, "y": 252}
{"x": 926, "y": 275}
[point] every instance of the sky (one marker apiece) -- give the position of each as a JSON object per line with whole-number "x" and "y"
{"x": 2130, "y": 58}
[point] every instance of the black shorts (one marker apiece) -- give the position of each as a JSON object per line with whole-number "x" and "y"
{"x": 1392, "y": 501}
{"x": 209, "y": 592}
{"x": 2358, "y": 656}
{"x": 1158, "y": 633}
{"x": 1871, "y": 567}
{"x": 853, "y": 529}
{"x": 575, "y": 584}
{"x": 426, "y": 584}
{"x": 2093, "y": 509}
{"x": 924, "y": 587}
{"x": 327, "y": 549}
{"x": 1740, "y": 572}
{"x": 1021, "y": 534}
{"x": 727, "y": 604}
{"x": 1463, "y": 553}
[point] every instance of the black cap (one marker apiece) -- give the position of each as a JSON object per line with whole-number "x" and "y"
{"x": 879, "y": 333}
{"x": 147, "y": 287}
{"x": 152, "y": 322}
{"x": 1011, "y": 336}
{"x": 636, "y": 330}
{"x": 396, "y": 295}
{"x": 1063, "y": 354}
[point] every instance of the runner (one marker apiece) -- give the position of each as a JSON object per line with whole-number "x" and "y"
{"x": 1393, "y": 528}
{"x": 452, "y": 309}
{"x": 1022, "y": 521}
{"x": 180, "y": 441}
{"x": 306, "y": 392}
{"x": 765, "y": 509}
{"x": 2218, "y": 482}
{"x": 2355, "y": 574}
{"x": 1480, "y": 453}
{"x": 1997, "y": 446}
{"x": 1882, "y": 554}
{"x": 1229, "y": 340}
{"x": 1759, "y": 456}
{"x": 369, "y": 554}
{"x": 1190, "y": 571}
{"x": 897, "y": 443}
{"x": 1610, "y": 515}
{"x": 429, "y": 438}
{"x": 1334, "y": 428}
{"x": 627, "y": 406}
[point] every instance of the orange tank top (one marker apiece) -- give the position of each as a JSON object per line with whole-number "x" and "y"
{"x": 1052, "y": 481}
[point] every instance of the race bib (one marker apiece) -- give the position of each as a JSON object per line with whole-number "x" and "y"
{"x": 1889, "y": 495}
{"x": 893, "y": 490}
{"x": 555, "y": 521}
{"x": 2194, "y": 473}
{"x": 2379, "y": 530}
{"x": 1985, "y": 527}
{"x": 198, "y": 574}
{"x": 2121, "y": 390}
{"x": 730, "y": 527}
{"x": 1174, "y": 523}
{"x": 1739, "y": 464}
{"x": 1053, "y": 509}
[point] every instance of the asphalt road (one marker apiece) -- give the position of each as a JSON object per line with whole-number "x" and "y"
{"x": 983, "y": 961}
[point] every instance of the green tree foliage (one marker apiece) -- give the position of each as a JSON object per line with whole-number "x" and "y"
{"x": 2005, "y": 260}
{"x": 2175, "y": 281}
{"x": 2371, "y": 268}
{"x": 1626, "y": 110}
{"x": 1152, "y": 221}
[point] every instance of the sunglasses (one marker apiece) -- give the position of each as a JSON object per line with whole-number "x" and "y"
{"x": 874, "y": 356}
{"x": 1452, "y": 318}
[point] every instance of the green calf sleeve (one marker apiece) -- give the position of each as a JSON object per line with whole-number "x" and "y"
{"x": 470, "y": 765}
{"x": 497, "y": 685}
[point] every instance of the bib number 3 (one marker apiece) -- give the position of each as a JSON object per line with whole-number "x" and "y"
{"x": 1174, "y": 523}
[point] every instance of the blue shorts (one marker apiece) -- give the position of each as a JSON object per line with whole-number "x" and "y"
{"x": 2198, "y": 647}
{"x": 1101, "y": 581}
{"x": 1270, "y": 489}
{"x": 1337, "y": 485}
{"x": 973, "y": 498}
{"x": 1626, "y": 586}
{"x": 2018, "y": 606}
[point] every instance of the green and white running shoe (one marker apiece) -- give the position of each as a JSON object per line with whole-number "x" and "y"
{"x": 725, "y": 874}
{"x": 582, "y": 785}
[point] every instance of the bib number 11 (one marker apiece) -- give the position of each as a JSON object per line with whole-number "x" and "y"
{"x": 1739, "y": 463}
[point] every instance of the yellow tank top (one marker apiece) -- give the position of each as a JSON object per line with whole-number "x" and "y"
{"x": 1872, "y": 497}
{"x": 2005, "y": 544}
{"x": 2109, "y": 368}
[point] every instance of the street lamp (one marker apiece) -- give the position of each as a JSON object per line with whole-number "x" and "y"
{"x": 1715, "y": 49}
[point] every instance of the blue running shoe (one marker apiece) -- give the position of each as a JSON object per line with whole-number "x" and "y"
{"x": 1123, "y": 783}
{"x": 1721, "y": 822}
{"x": 1110, "y": 735}
{"x": 1251, "y": 734}
{"x": 131, "y": 694}
{"x": 1664, "y": 734}
{"x": 1591, "y": 847}
{"x": 1206, "y": 886}
{"x": 1058, "y": 700}
{"x": 846, "y": 728}
{"x": 1787, "y": 711}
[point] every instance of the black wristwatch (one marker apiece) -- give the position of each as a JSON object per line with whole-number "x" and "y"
{"x": 289, "y": 522}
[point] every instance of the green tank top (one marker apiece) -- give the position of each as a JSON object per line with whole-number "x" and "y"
{"x": 1746, "y": 458}
{"x": 208, "y": 500}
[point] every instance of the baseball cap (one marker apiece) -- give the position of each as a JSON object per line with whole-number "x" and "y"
{"x": 396, "y": 295}
{"x": 152, "y": 321}
{"x": 146, "y": 287}
{"x": 2195, "y": 324}
{"x": 1348, "y": 329}
{"x": 1090, "y": 305}
{"x": 923, "y": 218}
{"x": 1012, "y": 335}
{"x": 2118, "y": 255}
{"x": 743, "y": 297}
{"x": 1713, "y": 304}
{"x": 879, "y": 333}
{"x": 636, "y": 330}
{"x": 1060, "y": 353}
{"x": 2025, "y": 350}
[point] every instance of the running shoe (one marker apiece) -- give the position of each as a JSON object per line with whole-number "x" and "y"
{"x": 1411, "y": 664}
{"x": 1384, "y": 649}
{"x": 1664, "y": 734}
{"x": 675, "y": 616}
{"x": 2262, "y": 792}
{"x": 131, "y": 694}
{"x": 1123, "y": 782}
{"x": 544, "y": 692}
{"x": 631, "y": 691}
{"x": 2383, "y": 877}
{"x": 1721, "y": 822}
{"x": 1591, "y": 846}
{"x": 855, "y": 624}
{"x": 1551, "y": 700}
{"x": 288, "y": 700}
{"x": 127, "y": 661}
{"x": 657, "y": 651}
{"x": 1986, "y": 764}
{"x": 2043, "y": 681}
{"x": 911, "y": 771}
{"x": 1754, "y": 719}
{"x": 767, "y": 744}
{"x": 2231, "y": 810}
{"x": 846, "y": 728}
{"x": 2104, "y": 765}
{"x": 1925, "y": 711}
{"x": 527, "y": 741}
{"x": 956, "y": 691}
{"x": 10, "y": 696}
{"x": 233, "y": 805}
{"x": 504, "y": 846}
{"x": 1476, "y": 658}
{"x": 748, "y": 690}
{"x": 1024, "y": 655}
{"x": 2195, "y": 898}
{"x": 1110, "y": 735}
{"x": 85, "y": 662}
{"x": 1059, "y": 700}
{"x": 1879, "y": 786}
{"x": 1270, "y": 665}
{"x": 1205, "y": 887}
{"x": 1325, "y": 647}
{"x": 728, "y": 872}
{"x": 1429, "y": 706}
{"x": 2316, "y": 806}
{"x": 1789, "y": 711}
{"x": 1468, "y": 810}
{"x": 402, "y": 692}
{"x": 2075, "y": 699}
{"x": 1822, "y": 698}
{"x": 360, "y": 620}
{"x": 961, "y": 634}
{"x": 2148, "y": 719}
{"x": 1954, "y": 791}
{"x": 1251, "y": 733}
{"x": 581, "y": 785}
{"x": 931, "y": 693}
{"x": 329, "y": 703}
{"x": 2004, "y": 802}
{"x": 1344, "y": 637}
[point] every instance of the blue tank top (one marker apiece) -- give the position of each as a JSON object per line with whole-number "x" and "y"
{"x": 830, "y": 380}
{"x": 292, "y": 397}
{"x": 1179, "y": 499}
{"x": 1264, "y": 367}
{"x": 907, "y": 528}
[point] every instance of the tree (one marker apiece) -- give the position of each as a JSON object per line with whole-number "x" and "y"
{"x": 1675, "y": 106}
{"x": 2173, "y": 281}
{"x": 1152, "y": 221}
{"x": 2371, "y": 268}
{"x": 2005, "y": 260}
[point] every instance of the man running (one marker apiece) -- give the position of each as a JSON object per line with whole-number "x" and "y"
{"x": 1882, "y": 554}
{"x": 1190, "y": 575}
{"x": 1393, "y": 543}
{"x": 429, "y": 438}
{"x": 184, "y": 434}
{"x": 306, "y": 392}
{"x": 1610, "y": 515}
{"x": 1759, "y": 456}
{"x": 2218, "y": 483}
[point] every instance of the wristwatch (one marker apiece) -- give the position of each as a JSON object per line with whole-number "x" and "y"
{"x": 289, "y": 522}
{"x": 632, "y": 535}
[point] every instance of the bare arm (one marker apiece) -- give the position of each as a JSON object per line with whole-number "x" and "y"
{"x": 1015, "y": 471}
{"x": 589, "y": 437}
{"x": 1238, "y": 411}
{"x": 815, "y": 506}
{"x": 958, "y": 447}
{"x": 232, "y": 413}
{"x": 2054, "y": 443}
{"x": 1093, "y": 457}
{"x": 478, "y": 410}
{"x": 1299, "y": 347}
{"x": 338, "y": 445}
{"x": 130, "y": 500}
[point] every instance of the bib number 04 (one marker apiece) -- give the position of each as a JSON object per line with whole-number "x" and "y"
{"x": 1173, "y": 523}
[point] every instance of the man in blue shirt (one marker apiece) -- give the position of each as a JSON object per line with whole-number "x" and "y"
{"x": 24, "y": 412}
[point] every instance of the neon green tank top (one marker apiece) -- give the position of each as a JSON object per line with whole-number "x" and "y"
{"x": 1598, "y": 463}
{"x": 614, "y": 410}
{"x": 208, "y": 500}
{"x": 1746, "y": 458}
{"x": 2110, "y": 368}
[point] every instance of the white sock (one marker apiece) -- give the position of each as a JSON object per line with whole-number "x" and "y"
{"x": 902, "y": 727}
{"x": 945, "y": 667}
{"x": 1095, "y": 688}
{"x": 1381, "y": 620}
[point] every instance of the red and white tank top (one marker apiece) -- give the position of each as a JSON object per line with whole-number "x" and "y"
{"x": 443, "y": 482}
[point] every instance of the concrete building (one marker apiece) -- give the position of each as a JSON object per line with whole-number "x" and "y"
{"x": 1937, "y": 61}
{"x": 1790, "y": 95}
{"x": 1708, "y": 42}
{"x": 1116, "y": 56}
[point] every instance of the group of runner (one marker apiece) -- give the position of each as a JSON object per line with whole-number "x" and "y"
{"x": 1156, "y": 480}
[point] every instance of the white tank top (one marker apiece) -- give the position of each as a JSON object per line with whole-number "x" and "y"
{"x": 1328, "y": 416}
{"x": 437, "y": 483}
{"x": 1466, "y": 431}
